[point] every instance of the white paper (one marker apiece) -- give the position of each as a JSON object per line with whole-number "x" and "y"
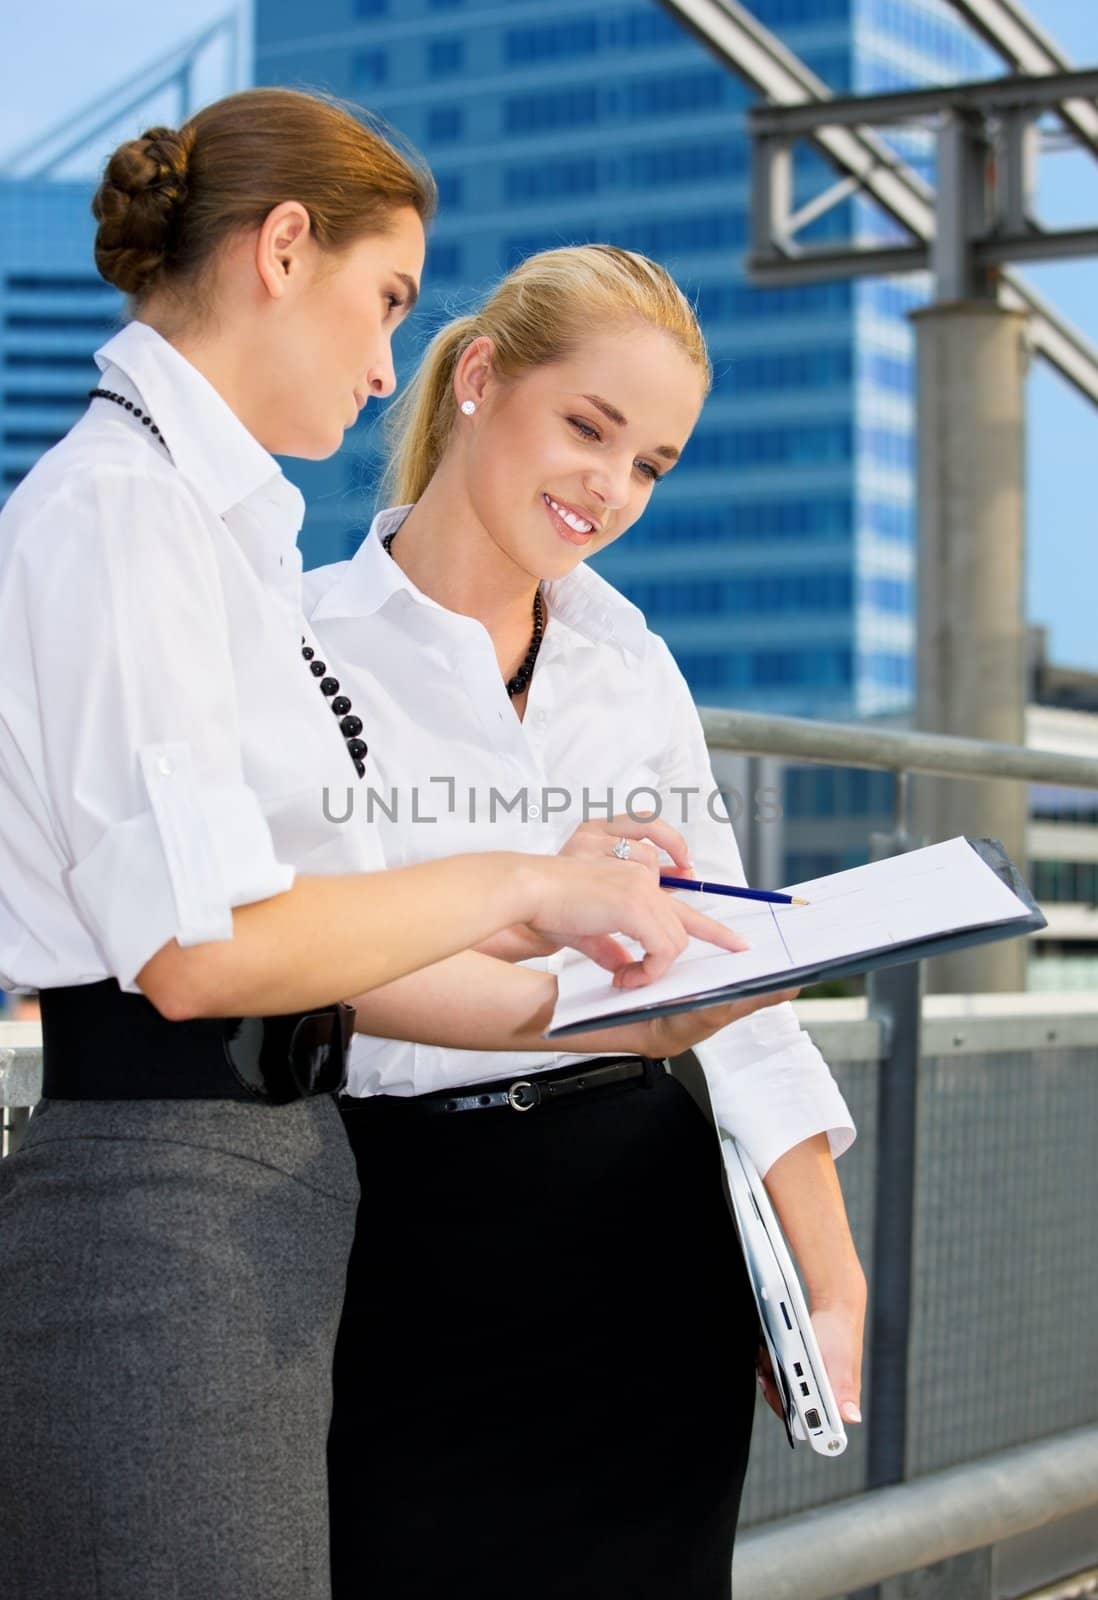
{"x": 924, "y": 894}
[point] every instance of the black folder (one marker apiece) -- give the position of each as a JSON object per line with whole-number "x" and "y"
{"x": 892, "y": 955}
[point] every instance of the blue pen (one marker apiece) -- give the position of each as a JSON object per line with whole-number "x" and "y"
{"x": 770, "y": 896}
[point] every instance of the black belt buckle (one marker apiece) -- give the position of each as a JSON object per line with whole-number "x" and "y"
{"x": 281, "y": 1059}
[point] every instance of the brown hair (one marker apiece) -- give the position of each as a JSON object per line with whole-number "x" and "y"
{"x": 170, "y": 199}
{"x": 539, "y": 313}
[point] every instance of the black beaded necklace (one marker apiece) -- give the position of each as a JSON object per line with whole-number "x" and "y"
{"x": 127, "y": 405}
{"x": 522, "y": 677}
{"x": 350, "y": 726}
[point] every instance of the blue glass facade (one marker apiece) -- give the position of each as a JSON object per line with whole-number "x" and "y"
{"x": 778, "y": 561}
{"x": 55, "y": 311}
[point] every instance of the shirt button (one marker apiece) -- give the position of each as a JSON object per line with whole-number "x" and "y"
{"x": 164, "y": 767}
{"x": 535, "y": 811}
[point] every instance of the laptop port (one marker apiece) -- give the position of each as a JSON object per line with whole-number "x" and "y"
{"x": 812, "y": 1418}
{"x": 804, "y": 1388}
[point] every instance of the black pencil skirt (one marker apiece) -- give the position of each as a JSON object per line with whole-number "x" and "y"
{"x": 545, "y": 1371}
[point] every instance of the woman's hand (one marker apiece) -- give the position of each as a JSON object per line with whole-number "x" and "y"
{"x": 647, "y": 835}
{"x": 839, "y": 1328}
{"x": 583, "y": 903}
{"x": 672, "y": 1036}
{"x": 595, "y": 841}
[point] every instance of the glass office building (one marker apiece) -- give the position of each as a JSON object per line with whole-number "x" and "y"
{"x": 55, "y": 312}
{"x": 778, "y": 559}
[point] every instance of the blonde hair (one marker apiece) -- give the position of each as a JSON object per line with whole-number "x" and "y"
{"x": 539, "y": 313}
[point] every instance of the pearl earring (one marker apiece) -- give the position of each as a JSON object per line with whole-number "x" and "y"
{"x": 468, "y": 407}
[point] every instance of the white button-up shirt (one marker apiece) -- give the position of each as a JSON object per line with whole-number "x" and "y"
{"x": 610, "y": 725}
{"x": 163, "y": 746}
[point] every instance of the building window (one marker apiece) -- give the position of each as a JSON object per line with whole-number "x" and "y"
{"x": 71, "y": 283}
{"x": 790, "y": 444}
{"x": 661, "y": 165}
{"x": 678, "y": 93}
{"x": 451, "y": 190}
{"x": 817, "y": 517}
{"x": 445, "y": 56}
{"x": 888, "y": 594}
{"x": 728, "y": 302}
{"x": 57, "y": 322}
{"x": 889, "y": 520}
{"x": 826, "y": 668}
{"x": 763, "y": 594}
{"x": 445, "y": 124}
{"x": 792, "y": 369}
{"x": 369, "y": 69}
{"x": 548, "y": 180}
{"x": 888, "y": 447}
{"x": 1073, "y": 882}
{"x": 643, "y": 29}
{"x": 50, "y": 360}
{"x": 560, "y": 108}
{"x": 668, "y": 236}
{"x": 36, "y": 438}
{"x": 443, "y": 261}
{"x": 35, "y": 398}
{"x": 794, "y": 11}
{"x": 551, "y": 42}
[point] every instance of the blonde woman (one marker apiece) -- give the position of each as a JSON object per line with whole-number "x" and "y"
{"x": 174, "y": 1232}
{"x": 545, "y": 1374}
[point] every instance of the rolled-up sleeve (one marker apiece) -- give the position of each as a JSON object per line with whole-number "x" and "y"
{"x": 769, "y": 1084}
{"x": 134, "y": 680}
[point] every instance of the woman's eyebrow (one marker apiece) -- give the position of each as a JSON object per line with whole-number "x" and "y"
{"x": 668, "y": 451}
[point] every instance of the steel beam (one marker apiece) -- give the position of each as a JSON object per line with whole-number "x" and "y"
{"x": 1018, "y": 40}
{"x": 739, "y": 42}
{"x": 985, "y": 95}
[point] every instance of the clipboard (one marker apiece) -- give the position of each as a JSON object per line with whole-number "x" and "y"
{"x": 901, "y": 953}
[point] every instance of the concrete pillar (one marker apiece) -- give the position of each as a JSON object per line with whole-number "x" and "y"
{"x": 971, "y": 632}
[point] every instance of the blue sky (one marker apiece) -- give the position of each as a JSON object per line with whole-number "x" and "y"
{"x": 69, "y": 51}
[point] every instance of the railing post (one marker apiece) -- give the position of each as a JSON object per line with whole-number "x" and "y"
{"x": 894, "y": 998}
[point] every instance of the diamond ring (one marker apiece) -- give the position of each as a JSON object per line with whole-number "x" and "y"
{"x": 623, "y": 849}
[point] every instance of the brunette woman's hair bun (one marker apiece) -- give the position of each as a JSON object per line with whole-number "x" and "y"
{"x": 139, "y": 207}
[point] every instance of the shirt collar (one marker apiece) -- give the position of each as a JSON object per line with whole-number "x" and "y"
{"x": 206, "y": 439}
{"x": 582, "y": 600}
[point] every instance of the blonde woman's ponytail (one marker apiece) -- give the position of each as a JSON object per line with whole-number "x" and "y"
{"x": 418, "y": 425}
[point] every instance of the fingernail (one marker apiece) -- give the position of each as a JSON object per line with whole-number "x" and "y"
{"x": 851, "y": 1412}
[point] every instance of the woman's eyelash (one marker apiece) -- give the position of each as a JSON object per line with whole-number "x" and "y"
{"x": 584, "y": 428}
{"x": 586, "y": 431}
{"x": 395, "y": 301}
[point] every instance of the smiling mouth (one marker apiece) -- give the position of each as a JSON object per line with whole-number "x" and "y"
{"x": 571, "y": 519}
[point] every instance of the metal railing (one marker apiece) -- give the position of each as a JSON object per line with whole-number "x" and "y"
{"x": 890, "y": 1522}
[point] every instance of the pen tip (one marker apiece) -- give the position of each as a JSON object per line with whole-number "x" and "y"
{"x": 797, "y": 901}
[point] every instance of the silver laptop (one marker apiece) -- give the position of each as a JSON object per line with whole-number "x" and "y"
{"x": 808, "y": 1401}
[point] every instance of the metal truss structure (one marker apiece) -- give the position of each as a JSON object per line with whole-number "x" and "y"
{"x": 961, "y": 232}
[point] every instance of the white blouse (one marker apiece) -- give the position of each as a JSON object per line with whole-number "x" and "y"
{"x": 164, "y": 748}
{"x": 610, "y": 723}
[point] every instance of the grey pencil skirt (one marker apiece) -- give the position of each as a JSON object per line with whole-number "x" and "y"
{"x": 171, "y": 1278}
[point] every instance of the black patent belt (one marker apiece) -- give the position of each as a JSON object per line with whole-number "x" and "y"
{"x": 100, "y": 1043}
{"x": 521, "y": 1094}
